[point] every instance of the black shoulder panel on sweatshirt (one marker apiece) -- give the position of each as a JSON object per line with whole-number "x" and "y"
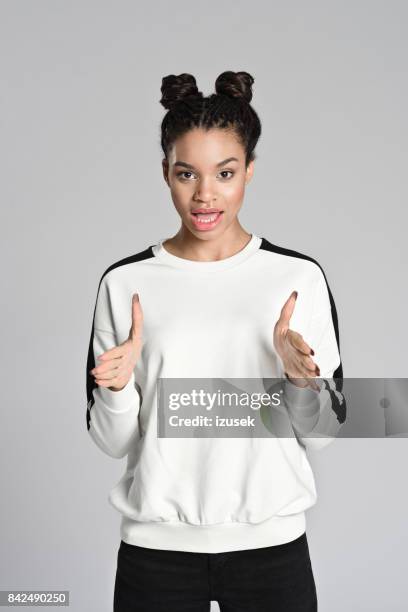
{"x": 146, "y": 254}
{"x": 268, "y": 246}
{"x": 90, "y": 380}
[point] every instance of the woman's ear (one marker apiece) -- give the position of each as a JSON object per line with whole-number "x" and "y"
{"x": 165, "y": 168}
{"x": 249, "y": 171}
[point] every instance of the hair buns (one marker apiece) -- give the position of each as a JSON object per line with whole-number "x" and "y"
{"x": 176, "y": 88}
{"x": 235, "y": 85}
{"x": 228, "y": 108}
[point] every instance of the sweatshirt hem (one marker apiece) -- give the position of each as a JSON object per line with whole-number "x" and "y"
{"x": 222, "y": 537}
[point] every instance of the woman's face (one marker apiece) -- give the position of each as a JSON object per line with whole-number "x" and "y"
{"x": 206, "y": 171}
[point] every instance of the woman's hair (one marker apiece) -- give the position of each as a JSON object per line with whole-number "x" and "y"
{"x": 229, "y": 109}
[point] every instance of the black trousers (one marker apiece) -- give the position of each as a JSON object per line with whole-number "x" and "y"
{"x": 274, "y": 578}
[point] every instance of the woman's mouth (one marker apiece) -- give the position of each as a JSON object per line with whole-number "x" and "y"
{"x": 206, "y": 221}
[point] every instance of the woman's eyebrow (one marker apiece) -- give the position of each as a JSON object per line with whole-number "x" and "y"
{"x": 222, "y": 163}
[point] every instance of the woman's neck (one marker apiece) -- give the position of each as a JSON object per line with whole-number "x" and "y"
{"x": 184, "y": 244}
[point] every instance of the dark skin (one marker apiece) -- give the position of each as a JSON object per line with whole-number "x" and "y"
{"x": 201, "y": 181}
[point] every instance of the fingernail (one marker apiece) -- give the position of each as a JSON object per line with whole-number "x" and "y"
{"x": 312, "y": 352}
{"x": 296, "y": 294}
{"x": 136, "y": 297}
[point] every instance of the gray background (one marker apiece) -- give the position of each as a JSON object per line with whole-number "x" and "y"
{"x": 82, "y": 187}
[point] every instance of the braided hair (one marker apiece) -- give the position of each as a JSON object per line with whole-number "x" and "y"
{"x": 229, "y": 109}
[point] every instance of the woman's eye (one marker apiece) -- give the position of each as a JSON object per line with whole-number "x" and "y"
{"x": 227, "y": 172}
{"x": 181, "y": 174}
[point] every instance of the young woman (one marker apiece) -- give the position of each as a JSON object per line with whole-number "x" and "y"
{"x": 212, "y": 518}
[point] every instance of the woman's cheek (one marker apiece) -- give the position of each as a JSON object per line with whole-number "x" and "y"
{"x": 235, "y": 193}
{"x": 182, "y": 199}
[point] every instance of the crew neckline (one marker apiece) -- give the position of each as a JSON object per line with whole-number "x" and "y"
{"x": 165, "y": 256}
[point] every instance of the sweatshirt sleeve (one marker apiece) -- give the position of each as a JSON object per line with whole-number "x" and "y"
{"x": 111, "y": 416}
{"x": 318, "y": 416}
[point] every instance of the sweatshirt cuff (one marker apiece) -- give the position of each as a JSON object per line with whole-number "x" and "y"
{"x": 122, "y": 400}
{"x": 303, "y": 401}
{"x": 303, "y": 406}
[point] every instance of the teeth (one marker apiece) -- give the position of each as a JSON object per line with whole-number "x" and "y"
{"x": 206, "y": 218}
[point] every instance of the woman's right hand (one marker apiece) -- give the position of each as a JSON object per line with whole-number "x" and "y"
{"x": 117, "y": 363}
{"x": 293, "y": 350}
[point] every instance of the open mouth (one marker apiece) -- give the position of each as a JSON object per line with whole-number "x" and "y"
{"x": 207, "y": 217}
{"x": 206, "y": 220}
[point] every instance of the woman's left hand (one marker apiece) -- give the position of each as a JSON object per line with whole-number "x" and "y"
{"x": 293, "y": 350}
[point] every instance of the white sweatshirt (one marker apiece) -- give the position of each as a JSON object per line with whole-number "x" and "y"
{"x": 204, "y": 320}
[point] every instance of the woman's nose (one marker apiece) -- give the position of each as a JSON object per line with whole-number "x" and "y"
{"x": 205, "y": 191}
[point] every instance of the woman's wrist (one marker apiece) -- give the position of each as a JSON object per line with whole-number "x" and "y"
{"x": 296, "y": 381}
